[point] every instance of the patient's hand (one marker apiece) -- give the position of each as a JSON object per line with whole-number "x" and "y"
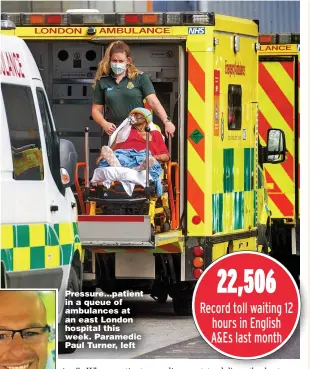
{"x": 162, "y": 158}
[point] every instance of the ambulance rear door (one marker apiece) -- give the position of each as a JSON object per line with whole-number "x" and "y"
{"x": 278, "y": 108}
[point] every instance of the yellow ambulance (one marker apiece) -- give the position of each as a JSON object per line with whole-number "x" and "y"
{"x": 278, "y": 96}
{"x": 205, "y": 71}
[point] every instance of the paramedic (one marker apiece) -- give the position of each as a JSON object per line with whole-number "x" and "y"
{"x": 122, "y": 87}
{"x": 135, "y": 138}
{"x": 24, "y": 333}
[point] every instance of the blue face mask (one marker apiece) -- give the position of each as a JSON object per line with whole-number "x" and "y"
{"x": 118, "y": 68}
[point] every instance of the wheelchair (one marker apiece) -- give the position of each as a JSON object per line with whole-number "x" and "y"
{"x": 163, "y": 210}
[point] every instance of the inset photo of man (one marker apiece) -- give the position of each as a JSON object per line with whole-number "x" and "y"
{"x": 27, "y": 329}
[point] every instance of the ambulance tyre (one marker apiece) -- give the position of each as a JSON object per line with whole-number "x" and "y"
{"x": 73, "y": 286}
{"x": 264, "y": 238}
{"x": 182, "y": 303}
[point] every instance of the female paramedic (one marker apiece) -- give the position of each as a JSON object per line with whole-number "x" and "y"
{"x": 122, "y": 87}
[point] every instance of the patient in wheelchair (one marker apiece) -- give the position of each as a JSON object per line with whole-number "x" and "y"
{"x": 127, "y": 150}
{"x": 131, "y": 135}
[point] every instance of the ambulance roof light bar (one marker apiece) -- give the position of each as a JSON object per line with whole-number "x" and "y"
{"x": 44, "y": 19}
{"x": 7, "y": 24}
{"x": 14, "y": 17}
{"x": 203, "y": 19}
{"x": 94, "y": 17}
{"x": 134, "y": 19}
{"x": 279, "y": 38}
{"x": 169, "y": 19}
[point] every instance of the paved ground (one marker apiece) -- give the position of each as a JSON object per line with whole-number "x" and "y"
{"x": 197, "y": 348}
{"x": 168, "y": 336}
{"x": 158, "y": 325}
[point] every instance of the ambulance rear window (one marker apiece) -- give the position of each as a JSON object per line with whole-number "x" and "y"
{"x": 24, "y": 132}
{"x": 234, "y": 107}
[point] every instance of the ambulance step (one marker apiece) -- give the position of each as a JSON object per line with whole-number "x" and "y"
{"x": 115, "y": 231}
{"x": 113, "y": 244}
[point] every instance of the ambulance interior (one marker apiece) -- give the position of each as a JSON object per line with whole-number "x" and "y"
{"x": 68, "y": 70}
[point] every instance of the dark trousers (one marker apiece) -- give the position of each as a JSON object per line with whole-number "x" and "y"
{"x": 104, "y": 136}
{"x": 104, "y": 139}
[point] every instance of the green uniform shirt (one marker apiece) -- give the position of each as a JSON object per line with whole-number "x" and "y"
{"x": 121, "y": 98}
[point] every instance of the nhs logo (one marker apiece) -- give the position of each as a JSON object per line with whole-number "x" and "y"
{"x": 196, "y": 30}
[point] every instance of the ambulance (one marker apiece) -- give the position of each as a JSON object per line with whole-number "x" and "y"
{"x": 40, "y": 245}
{"x": 204, "y": 68}
{"x": 278, "y": 96}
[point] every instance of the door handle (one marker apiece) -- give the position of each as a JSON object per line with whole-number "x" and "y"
{"x": 54, "y": 208}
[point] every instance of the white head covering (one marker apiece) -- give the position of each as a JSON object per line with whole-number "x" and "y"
{"x": 123, "y": 131}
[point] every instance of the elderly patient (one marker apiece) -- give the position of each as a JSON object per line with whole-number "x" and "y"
{"x": 131, "y": 136}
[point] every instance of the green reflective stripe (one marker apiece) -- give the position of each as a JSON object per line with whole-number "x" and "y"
{"x": 228, "y": 179}
{"x": 252, "y": 168}
{"x": 51, "y": 236}
{"x": 56, "y": 227}
{"x": 46, "y": 235}
{"x": 14, "y": 236}
{"x": 238, "y": 210}
{"x": 75, "y": 229}
{"x": 66, "y": 253}
{"x": 23, "y": 236}
{"x": 254, "y": 206}
{"x": 217, "y": 212}
{"x": 37, "y": 257}
{"x": 7, "y": 258}
{"x": 248, "y": 168}
{"x": 36, "y": 246}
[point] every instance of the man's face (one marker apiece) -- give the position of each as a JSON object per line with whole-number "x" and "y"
{"x": 20, "y": 310}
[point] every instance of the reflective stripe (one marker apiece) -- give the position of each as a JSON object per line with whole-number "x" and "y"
{"x": 196, "y": 142}
{"x": 235, "y": 208}
{"x": 35, "y": 246}
{"x": 276, "y": 102}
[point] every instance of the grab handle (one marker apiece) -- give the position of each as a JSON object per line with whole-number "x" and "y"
{"x": 86, "y": 130}
{"x": 147, "y": 130}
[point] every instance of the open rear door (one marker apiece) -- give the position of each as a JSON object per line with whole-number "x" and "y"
{"x": 278, "y": 108}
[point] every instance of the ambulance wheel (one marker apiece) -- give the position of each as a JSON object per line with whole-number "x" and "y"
{"x": 264, "y": 238}
{"x": 73, "y": 286}
{"x": 182, "y": 303}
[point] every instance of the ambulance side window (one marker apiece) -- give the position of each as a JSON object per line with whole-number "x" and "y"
{"x": 24, "y": 132}
{"x": 51, "y": 139}
{"x": 234, "y": 107}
